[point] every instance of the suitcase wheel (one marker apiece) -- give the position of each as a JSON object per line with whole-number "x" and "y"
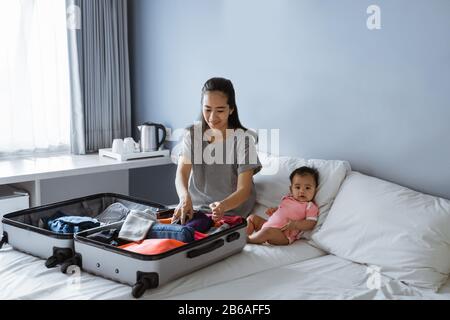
{"x": 59, "y": 256}
{"x": 74, "y": 261}
{"x": 51, "y": 262}
{"x": 4, "y": 239}
{"x": 138, "y": 289}
{"x": 145, "y": 280}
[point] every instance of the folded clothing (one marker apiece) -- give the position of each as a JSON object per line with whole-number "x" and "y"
{"x": 171, "y": 231}
{"x": 61, "y": 223}
{"x": 110, "y": 237}
{"x": 165, "y": 220}
{"x": 114, "y": 213}
{"x": 230, "y": 220}
{"x": 200, "y": 222}
{"x": 105, "y": 236}
{"x": 136, "y": 225}
{"x": 152, "y": 246}
{"x": 199, "y": 235}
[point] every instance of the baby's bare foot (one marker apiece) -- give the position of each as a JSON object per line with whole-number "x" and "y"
{"x": 250, "y": 228}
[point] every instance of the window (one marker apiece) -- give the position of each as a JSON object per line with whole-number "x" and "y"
{"x": 34, "y": 77}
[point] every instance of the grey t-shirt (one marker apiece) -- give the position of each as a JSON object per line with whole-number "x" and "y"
{"x": 216, "y": 167}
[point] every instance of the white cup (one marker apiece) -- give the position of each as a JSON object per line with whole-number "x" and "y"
{"x": 118, "y": 146}
{"x": 130, "y": 146}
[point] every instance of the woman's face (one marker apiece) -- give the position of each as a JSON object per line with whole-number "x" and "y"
{"x": 216, "y": 110}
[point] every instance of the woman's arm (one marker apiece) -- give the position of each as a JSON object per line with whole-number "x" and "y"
{"x": 182, "y": 178}
{"x": 234, "y": 200}
{"x": 184, "y": 208}
{"x": 243, "y": 191}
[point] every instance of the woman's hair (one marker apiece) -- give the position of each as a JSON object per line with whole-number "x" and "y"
{"x": 226, "y": 87}
{"x": 305, "y": 171}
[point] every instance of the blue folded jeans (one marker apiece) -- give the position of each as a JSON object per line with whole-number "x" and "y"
{"x": 171, "y": 231}
{"x": 71, "y": 224}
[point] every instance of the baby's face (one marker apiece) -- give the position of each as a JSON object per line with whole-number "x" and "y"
{"x": 303, "y": 188}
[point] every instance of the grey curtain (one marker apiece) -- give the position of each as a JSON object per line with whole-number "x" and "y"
{"x": 100, "y": 75}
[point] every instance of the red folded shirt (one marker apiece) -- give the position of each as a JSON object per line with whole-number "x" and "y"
{"x": 230, "y": 220}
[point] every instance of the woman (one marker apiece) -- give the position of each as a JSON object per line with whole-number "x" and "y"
{"x": 218, "y": 158}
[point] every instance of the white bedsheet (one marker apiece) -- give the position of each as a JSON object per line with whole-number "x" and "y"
{"x": 298, "y": 271}
{"x": 324, "y": 278}
{"x": 259, "y": 272}
{"x": 25, "y": 277}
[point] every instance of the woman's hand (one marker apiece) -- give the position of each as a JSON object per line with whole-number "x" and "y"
{"x": 218, "y": 210}
{"x": 270, "y": 211}
{"x": 291, "y": 225}
{"x": 183, "y": 210}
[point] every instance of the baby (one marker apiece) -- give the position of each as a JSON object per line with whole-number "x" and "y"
{"x": 296, "y": 213}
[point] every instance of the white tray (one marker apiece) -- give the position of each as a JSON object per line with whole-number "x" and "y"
{"x": 135, "y": 155}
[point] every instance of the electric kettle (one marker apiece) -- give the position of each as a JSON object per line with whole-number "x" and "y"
{"x": 150, "y": 140}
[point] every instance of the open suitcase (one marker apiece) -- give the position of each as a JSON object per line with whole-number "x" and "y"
{"x": 22, "y": 231}
{"x": 143, "y": 271}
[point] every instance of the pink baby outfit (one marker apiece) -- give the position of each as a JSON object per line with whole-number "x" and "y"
{"x": 292, "y": 209}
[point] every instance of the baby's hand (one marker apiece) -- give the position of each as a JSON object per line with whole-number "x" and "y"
{"x": 270, "y": 211}
{"x": 291, "y": 225}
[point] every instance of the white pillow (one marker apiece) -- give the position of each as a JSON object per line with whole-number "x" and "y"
{"x": 272, "y": 182}
{"x": 403, "y": 232}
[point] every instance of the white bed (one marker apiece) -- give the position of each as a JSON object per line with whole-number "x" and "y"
{"x": 300, "y": 270}
{"x": 264, "y": 272}
{"x": 25, "y": 277}
{"x": 323, "y": 278}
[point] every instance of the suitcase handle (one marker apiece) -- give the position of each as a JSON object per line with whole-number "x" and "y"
{"x": 208, "y": 248}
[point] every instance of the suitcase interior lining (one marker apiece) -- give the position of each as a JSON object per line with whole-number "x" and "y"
{"x": 83, "y": 207}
